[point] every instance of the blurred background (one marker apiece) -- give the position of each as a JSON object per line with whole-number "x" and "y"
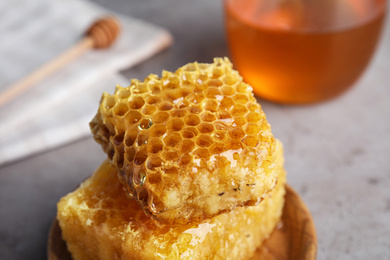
{"x": 336, "y": 151}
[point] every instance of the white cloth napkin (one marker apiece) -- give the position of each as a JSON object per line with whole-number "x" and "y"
{"x": 58, "y": 109}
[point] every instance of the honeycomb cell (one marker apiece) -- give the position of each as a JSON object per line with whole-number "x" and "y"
{"x": 243, "y": 88}
{"x": 165, "y": 106}
{"x": 236, "y": 133}
{"x": 239, "y": 110}
{"x": 219, "y": 125}
{"x": 220, "y": 135}
{"x": 133, "y": 117}
{"x": 192, "y": 120}
{"x": 217, "y": 148}
{"x": 130, "y": 138}
{"x": 154, "y": 179}
{"x": 183, "y": 104}
{"x": 253, "y": 107}
{"x": 148, "y": 110}
{"x": 130, "y": 153}
{"x": 264, "y": 125}
{"x": 171, "y": 82}
{"x": 251, "y": 141}
{"x": 154, "y": 89}
{"x": 118, "y": 139}
{"x": 204, "y": 141}
{"x": 252, "y": 129}
{"x": 202, "y": 77}
{"x": 189, "y": 132}
{"x": 234, "y": 145}
{"x": 176, "y": 95}
{"x": 202, "y": 153}
{"x": 124, "y": 93}
{"x": 223, "y": 115}
{"x": 142, "y": 195}
{"x": 214, "y": 83}
{"x": 153, "y": 162}
{"x": 158, "y": 130}
{"x": 173, "y": 139}
{"x": 139, "y": 178}
{"x": 145, "y": 123}
{"x": 187, "y": 77}
{"x": 170, "y": 155}
{"x": 109, "y": 102}
{"x": 187, "y": 146}
{"x": 194, "y": 110}
{"x": 178, "y": 113}
{"x": 141, "y": 88}
{"x": 134, "y": 82}
{"x": 190, "y": 67}
{"x": 217, "y": 72}
{"x": 200, "y": 88}
{"x": 156, "y": 205}
{"x": 186, "y": 159}
{"x": 152, "y": 100}
{"x": 226, "y": 103}
{"x": 211, "y": 105}
{"x": 207, "y": 116}
{"x": 205, "y": 128}
{"x": 241, "y": 99}
{"x": 184, "y": 92}
{"x": 253, "y": 117}
{"x": 175, "y": 125}
{"x": 160, "y": 117}
{"x": 136, "y": 102}
{"x": 118, "y": 158}
{"x": 228, "y": 90}
{"x": 212, "y": 92}
{"x": 229, "y": 80}
{"x": 120, "y": 109}
{"x": 155, "y": 145}
{"x": 140, "y": 157}
{"x": 179, "y": 140}
{"x": 239, "y": 122}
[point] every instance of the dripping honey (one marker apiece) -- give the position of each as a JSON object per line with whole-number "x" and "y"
{"x": 298, "y": 51}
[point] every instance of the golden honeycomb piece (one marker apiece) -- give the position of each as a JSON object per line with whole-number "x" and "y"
{"x": 99, "y": 222}
{"x": 189, "y": 145}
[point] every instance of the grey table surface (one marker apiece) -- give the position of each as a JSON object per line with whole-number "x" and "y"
{"x": 337, "y": 152}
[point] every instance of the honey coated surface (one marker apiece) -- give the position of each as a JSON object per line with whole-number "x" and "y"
{"x": 189, "y": 145}
{"x": 100, "y": 222}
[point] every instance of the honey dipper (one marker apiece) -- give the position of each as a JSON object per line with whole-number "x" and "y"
{"x": 101, "y": 34}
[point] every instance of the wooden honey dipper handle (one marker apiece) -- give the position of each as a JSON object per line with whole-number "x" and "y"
{"x": 101, "y": 34}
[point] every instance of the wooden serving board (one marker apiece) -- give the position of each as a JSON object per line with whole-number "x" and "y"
{"x": 294, "y": 239}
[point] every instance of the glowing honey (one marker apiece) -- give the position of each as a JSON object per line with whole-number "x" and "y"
{"x": 189, "y": 145}
{"x": 99, "y": 221}
{"x": 299, "y": 51}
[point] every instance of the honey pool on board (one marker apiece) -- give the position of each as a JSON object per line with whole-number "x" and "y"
{"x": 302, "y": 51}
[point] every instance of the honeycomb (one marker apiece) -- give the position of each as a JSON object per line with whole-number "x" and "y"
{"x": 189, "y": 145}
{"x": 98, "y": 221}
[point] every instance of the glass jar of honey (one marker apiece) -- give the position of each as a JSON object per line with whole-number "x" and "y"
{"x": 302, "y": 51}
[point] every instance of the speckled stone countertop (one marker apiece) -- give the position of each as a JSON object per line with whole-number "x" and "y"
{"x": 337, "y": 152}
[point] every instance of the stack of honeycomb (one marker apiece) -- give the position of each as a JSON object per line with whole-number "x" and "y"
{"x": 197, "y": 166}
